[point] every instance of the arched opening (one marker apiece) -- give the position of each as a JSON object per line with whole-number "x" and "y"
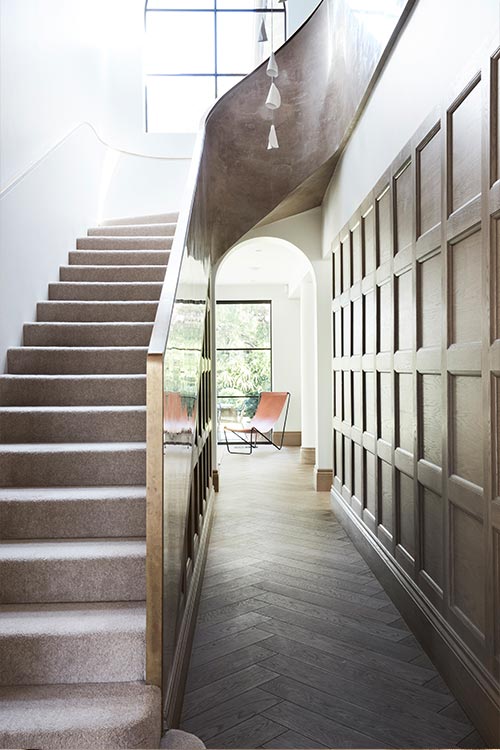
{"x": 266, "y": 339}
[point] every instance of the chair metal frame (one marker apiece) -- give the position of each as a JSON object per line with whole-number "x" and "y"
{"x": 254, "y": 432}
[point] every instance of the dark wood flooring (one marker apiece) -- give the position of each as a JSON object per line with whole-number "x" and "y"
{"x": 296, "y": 644}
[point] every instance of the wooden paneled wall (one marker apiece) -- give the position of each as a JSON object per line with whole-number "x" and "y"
{"x": 416, "y": 308}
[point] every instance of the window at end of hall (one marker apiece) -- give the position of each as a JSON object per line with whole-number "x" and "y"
{"x": 196, "y": 50}
{"x": 244, "y": 360}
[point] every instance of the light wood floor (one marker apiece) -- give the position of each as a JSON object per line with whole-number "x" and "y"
{"x": 297, "y": 645}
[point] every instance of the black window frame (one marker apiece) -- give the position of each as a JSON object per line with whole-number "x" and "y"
{"x": 243, "y": 349}
{"x": 214, "y": 74}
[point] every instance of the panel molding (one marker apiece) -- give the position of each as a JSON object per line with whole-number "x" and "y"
{"x": 470, "y": 681}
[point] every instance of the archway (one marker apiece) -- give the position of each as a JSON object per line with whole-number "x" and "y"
{"x": 274, "y": 271}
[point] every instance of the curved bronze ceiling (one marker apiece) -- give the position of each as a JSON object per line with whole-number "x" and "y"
{"x": 327, "y": 70}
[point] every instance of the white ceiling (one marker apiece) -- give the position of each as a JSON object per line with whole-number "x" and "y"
{"x": 265, "y": 260}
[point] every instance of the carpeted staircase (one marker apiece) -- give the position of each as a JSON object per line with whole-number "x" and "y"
{"x": 72, "y": 500}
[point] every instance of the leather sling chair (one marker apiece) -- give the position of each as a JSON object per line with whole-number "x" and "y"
{"x": 268, "y": 412}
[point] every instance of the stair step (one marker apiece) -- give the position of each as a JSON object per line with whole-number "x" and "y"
{"x": 70, "y": 643}
{"x": 102, "y": 312}
{"x": 101, "y": 291}
{"x": 124, "y": 243}
{"x": 72, "y": 570}
{"x": 72, "y": 464}
{"x": 77, "y": 360}
{"x": 119, "y": 257}
{"x": 79, "y": 424}
{"x": 72, "y": 390}
{"x": 101, "y": 273}
{"x": 134, "y": 230}
{"x": 170, "y": 216}
{"x": 86, "y": 716}
{"x": 68, "y": 512}
{"x": 87, "y": 334}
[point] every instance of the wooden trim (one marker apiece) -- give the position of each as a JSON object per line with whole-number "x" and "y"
{"x": 180, "y": 664}
{"x": 461, "y": 669}
{"x": 154, "y": 521}
{"x": 215, "y": 479}
{"x": 323, "y": 479}
{"x": 291, "y": 438}
{"x": 308, "y": 456}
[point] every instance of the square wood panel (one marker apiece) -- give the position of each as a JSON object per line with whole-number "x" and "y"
{"x": 357, "y": 488}
{"x": 429, "y": 304}
{"x": 385, "y": 317}
{"x": 347, "y": 463}
{"x": 465, "y": 290}
{"x": 370, "y": 493}
{"x": 385, "y": 495}
{"x": 346, "y": 263}
{"x": 431, "y": 518}
{"x": 405, "y": 321}
{"x": 357, "y": 326}
{"x": 466, "y": 426}
{"x": 405, "y": 412}
{"x": 347, "y": 397}
{"x": 337, "y": 338}
{"x": 386, "y": 406}
{"x": 403, "y": 202}
{"x": 464, "y": 149}
{"x": 384, "y": 234}
{"x": 337, "y": 392}
{"x": 369, "y": 402}
{"x": 429, "y": 183}
{"x": 468, "y": 573}
{"x": 405, "y": 513}
{"x": 357, "y": 257}
{"x": 430, "y": 419}
{"x": 369, "y": 327}
{"x": 368, "y": 226}
{"x": 357, "y": 399}
{"x": 346, "y": 331}
{"x": 339, "y": 473}
{"x": 337, "y": 272}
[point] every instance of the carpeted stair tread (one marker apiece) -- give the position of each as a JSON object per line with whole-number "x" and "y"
{"x": 55, "y": 424}
{"x": 124, "y": 243}
{"x": 102, "y": 273}
{"x": 71, "y": 642}
{"x": 94, "y": 290}
{"x": 57, "y": 717}
{"x": 72, "y": 512}
{"x": 96, "y": 312}
{"x": 119, "y": 257}
{"x": 72, "y": 570}
{"x": 165, "y": 218}
{"x": 167, "y": 229}
{"x": 77, "y": 390}
{"x": 62, "y": 333}
{"x": 70, "y": 464}
{"x": 55, "y": 360}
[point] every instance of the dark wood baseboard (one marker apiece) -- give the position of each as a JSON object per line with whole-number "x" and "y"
{"x": 323, "y": 480}
{"x": 467, "y": 678}
{"x": 175, "y": 691}
{"x": 291, "y": 438}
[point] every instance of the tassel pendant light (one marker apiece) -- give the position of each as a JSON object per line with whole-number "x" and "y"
{"x": 272, "y": 66}
{"x": 262, "y": 31}
{"x": 273, "y": 100}
{"x": 273, "y": 139}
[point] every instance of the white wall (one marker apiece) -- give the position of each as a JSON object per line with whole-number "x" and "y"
{"x": 38, "y": 225}
{"x": 63, "y": 62}
{"x": 439, "y": 41}
{"x": 285, "y": 337}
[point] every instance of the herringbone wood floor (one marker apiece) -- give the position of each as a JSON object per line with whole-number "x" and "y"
{"x": 297, "y": 645}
